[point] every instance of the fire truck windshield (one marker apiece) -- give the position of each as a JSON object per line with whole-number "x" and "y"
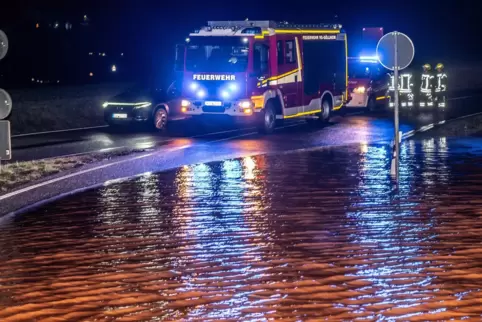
{"x": 361, "y": 70}
{"x": 217, "y": 54}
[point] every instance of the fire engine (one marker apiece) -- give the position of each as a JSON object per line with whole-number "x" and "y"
{"x": 367, "y": 83}
{"x": 264, "y": 70}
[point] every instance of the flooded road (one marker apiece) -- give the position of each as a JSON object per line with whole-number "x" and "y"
{"x": 300, "y": 236}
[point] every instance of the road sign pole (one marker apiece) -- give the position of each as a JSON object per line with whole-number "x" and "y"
{"x": 396, "y": 120}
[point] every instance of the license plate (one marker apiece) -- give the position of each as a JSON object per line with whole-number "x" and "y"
{"x": 213, "y": 103}
{"x": 119, "y": 116}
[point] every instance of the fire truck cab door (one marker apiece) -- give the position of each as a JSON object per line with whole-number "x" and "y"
{"x": 288, "y": 75}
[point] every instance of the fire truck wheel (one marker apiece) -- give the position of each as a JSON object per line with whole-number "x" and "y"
{"x": 372, "y": 104}
{"x": 325, "y": 111}
{"x": 267, "y": 121}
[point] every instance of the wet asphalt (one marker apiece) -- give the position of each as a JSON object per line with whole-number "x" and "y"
{"x": 302, "y": 224}
{"x": 26, "y": 148}
{"x": 306, "y": 235}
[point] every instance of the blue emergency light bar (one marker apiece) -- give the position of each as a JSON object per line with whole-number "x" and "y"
{"x": 369, "y": 59}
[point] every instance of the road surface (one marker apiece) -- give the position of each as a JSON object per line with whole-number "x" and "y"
{"x": 26, "y": 148}
{"x": 298, "y": 236}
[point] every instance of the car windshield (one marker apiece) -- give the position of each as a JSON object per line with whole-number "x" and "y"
{"x": 217, "y": 54}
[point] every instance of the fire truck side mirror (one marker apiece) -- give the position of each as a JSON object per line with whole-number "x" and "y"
{"x": 256, "y": 74}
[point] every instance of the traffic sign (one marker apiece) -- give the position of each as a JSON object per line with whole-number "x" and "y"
{"x": 5, "y": 104}
{"x": 3, "y": 44}
{"x": 5, "y": 142}
{"x": 386, "y": 50}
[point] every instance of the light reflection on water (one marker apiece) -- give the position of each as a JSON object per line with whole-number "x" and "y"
{"x": 319, "y": 235}
{"x": 218, "y": 202}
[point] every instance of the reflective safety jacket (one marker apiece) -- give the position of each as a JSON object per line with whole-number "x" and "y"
{"x": 441, "y": 83}
{"x": 427, "y": 83}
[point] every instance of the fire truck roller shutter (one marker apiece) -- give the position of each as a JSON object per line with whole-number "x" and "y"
{"x": 325, "y": 66}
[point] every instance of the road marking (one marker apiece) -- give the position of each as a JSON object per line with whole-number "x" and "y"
{"x": 432, "y": 125}
{"x": 60, "y": 131}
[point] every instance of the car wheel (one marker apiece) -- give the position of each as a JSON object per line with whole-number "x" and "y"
{"x": 267, "y": 121}
{"x": 160, "y": 119}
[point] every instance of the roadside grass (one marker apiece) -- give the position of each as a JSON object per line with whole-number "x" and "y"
{"x": 16, "y": 174}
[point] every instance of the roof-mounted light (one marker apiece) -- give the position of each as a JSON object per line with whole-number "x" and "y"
{"x": 369, "y": 59}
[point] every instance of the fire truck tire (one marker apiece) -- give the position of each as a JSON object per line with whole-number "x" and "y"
{"x": 326, "y": 107}
{"x": 372, "y": 104}
{"x": 267, "y": 120}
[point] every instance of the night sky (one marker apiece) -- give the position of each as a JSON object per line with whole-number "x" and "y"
{"x": 441, "y": 31}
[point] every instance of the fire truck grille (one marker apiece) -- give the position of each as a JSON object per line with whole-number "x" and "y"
{"x": 213, "y": 109}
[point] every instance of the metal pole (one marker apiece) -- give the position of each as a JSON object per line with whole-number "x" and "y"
{"x": 397, "y": 133}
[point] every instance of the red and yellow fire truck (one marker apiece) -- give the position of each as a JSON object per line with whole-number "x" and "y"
{"x": 264, "y": 70}
{"x": 367, "y": 83}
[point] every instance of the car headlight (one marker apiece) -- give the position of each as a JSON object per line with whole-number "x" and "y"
{"x": 143, "y": 104}
{"x": 185, "y": 103}
{"x": 105, "y": 104}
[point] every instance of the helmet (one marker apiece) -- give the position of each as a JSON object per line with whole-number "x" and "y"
{"x": 439, "y": 67}
{"x": 427, "y": 67}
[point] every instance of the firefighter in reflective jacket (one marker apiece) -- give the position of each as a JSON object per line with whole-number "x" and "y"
{"x": 440, "y": 85}
{"x": 426, "y": 86}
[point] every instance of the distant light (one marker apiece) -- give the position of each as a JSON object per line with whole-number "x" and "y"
{"x": 103, "y": 54}
{"x": 90, "y": 54}
{"x": 114, "y": 68}
{"x": 58, "y": 81}
{"x": 188, "y": 39}
{"x": 91, "y": 74}
{"x": 122, "y": 54}
{"x": 37, "y": 25}
{"x": 100, "y": 54}
{"x": 85, "y": 17}
{"x": 41, "y": 82}
{"x": 56, "y": 25}
{"x": 201, "y": 94}
{"x": 33, "y": 79}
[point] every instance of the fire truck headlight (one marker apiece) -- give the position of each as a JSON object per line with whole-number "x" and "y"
{"x": 201, "y": 94}
{"x": 360, "y": 90}
{"x": 194, "y": 86}
{"x": 185, "y": 103}
{"x": 245, "y": 104}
